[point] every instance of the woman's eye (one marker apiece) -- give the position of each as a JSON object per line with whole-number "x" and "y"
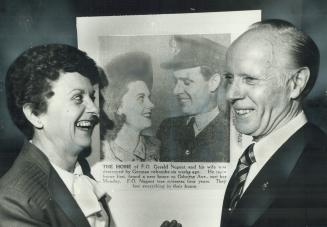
{"x": 78, "y": 99}
{"x": 92, "y": 97}
{"x": 141, "y": 99}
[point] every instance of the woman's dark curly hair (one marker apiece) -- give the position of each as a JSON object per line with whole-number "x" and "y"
{"x": 30, "y": 76}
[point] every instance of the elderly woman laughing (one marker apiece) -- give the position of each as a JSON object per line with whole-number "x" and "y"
{"x": 50, "y": 98}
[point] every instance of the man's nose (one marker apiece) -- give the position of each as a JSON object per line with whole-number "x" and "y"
{"x": 178, "y": 88}
{"x": 234, "y": 90}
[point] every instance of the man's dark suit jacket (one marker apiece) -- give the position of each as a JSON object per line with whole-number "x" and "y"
{"x": 210, "y": 145}
{"x": 290, "y": 190}
{"x": 32, "y": 194}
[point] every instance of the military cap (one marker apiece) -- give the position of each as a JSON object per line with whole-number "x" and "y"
{"x": 193, "y": 51}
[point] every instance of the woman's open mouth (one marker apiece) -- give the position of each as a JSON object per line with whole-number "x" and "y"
{"x": 87, "y": 125}
{"x": 147, "y": 114}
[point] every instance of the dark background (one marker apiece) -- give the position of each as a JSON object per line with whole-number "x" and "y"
{"x": 26, "y": 23}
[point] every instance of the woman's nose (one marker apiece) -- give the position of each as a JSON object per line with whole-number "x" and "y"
{"x": 150, "y": 104}
{"x": 92, "y": 107}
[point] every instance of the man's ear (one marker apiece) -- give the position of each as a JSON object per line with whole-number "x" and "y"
{"x": 214, "y": 82}
{"x": 298, "y": 82}
{"x": 34, "y": 119}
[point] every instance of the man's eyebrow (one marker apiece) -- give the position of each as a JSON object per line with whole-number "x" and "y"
{"x": 226, "y": 73}
{"x": 245, "y": 75}
{"x": 185, "y": 79}
{"x": 252, "y": 76}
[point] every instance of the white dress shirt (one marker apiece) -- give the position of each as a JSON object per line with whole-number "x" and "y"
{"x": 202, "y": 120}
{"x": 86, "y": 193}
{"x": 266, "y": 147}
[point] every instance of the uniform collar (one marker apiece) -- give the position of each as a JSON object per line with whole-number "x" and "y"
{"x": 202, "y": 120}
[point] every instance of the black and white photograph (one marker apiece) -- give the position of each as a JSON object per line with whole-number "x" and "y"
{"x": 163, "y": 113}
{"x": 155, "y": 82}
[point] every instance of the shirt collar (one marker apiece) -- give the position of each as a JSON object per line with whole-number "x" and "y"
{"x": 265, "y": 148}
{"x": 85, "y": 190}
{"x": 66, "y": 177}
{"x": 202, "y": 120}
{"x": 123, "y": 155}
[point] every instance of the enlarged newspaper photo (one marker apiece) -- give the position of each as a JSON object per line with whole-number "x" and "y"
{"x": 172, "y": 83}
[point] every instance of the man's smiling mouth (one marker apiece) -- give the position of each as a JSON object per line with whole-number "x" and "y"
{"x": 243, "y": 112}
{"x": 183, "y": 99}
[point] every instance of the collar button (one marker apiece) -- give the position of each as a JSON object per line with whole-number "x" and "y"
{"x": 187, "y": 152}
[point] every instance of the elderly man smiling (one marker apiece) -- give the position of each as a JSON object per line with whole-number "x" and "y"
{"x": 280, "y": 179}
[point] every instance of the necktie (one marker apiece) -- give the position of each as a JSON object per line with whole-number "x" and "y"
{"x": 190, "y": 129}
{"x": 190, "y": 134}
{"x": 240, "y": 174}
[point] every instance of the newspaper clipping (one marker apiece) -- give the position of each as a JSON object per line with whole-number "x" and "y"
{"x": 165, "y": 147}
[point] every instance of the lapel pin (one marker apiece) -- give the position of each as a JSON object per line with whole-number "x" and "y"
{"x": 265, "y": 186}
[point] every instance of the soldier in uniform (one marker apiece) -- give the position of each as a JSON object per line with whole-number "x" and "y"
{"x": 202, "y": 133}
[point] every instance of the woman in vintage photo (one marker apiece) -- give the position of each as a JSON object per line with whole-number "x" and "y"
{"x": 50, "y": 98}
{"x": 130, "y": 79}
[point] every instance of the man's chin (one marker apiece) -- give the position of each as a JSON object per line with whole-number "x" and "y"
{"x": 187, "y": 110}
{"x": 244, "y": 129}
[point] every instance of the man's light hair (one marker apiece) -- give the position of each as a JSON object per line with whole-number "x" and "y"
{"x": 300, "y": 49}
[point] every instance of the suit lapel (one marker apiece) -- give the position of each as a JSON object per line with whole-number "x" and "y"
{"x": 61, "y": 195}
{"x": 56, "y": 187}
{"x": 264, "y": 188}
{"x": 225, "y": 212}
